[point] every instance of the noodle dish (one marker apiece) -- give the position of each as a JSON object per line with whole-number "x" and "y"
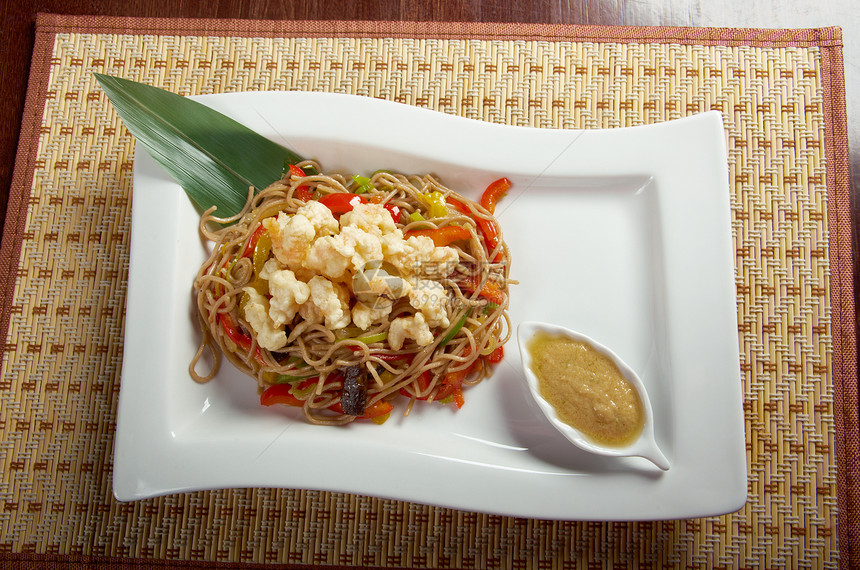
{"x": 349, "y": 296}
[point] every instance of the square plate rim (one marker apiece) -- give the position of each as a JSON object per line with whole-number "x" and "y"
{"x": 129, "y": 486}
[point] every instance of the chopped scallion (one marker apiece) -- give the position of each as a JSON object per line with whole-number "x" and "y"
{"x": 455, "y": 329}
{"x": 363, "y": 183}
{"x": 370, "y": 339}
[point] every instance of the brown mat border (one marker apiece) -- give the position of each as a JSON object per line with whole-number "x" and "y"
{"x": 29, "y": 561}
{"x": 838, "y": 175}
{"x": 830, "y": 37}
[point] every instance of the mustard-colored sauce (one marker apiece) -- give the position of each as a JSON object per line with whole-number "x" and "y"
{"x": 587, "y": 390}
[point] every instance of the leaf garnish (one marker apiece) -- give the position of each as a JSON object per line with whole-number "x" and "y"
{"x": 213, "y": 157}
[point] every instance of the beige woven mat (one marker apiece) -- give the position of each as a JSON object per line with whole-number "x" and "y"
{"x": 65, "y": 258}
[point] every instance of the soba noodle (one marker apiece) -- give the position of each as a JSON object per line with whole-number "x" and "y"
{"x": 315, "y": 358}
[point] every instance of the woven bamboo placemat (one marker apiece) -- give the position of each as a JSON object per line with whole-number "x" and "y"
{"x": 65, "y": 257}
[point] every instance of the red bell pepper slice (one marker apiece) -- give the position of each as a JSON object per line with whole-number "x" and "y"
{"x": 423, "y": 383}
{"x": 488, "y": 227}
{"x": 375, "y": 410}
{"x": 394, "y": 211}
{"x": 497, "y": 355}
{"x": 495, "y": 192}
{"x": 459, "y": 399}
{"x": 452, "y": 386}
{"x": 341, "y": 202}
{"x": 442, "y": 236}
{"x": 279, "y": 394}
{"x": 303, "y": 193}
{"x": 252, "y": 243}
{"x": 490, "y": 290}
{"x": 241, "y": 340}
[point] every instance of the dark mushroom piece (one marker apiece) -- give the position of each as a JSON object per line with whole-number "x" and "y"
{"x": 353, "y": 398}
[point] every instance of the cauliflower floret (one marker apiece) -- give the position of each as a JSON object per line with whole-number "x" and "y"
{"x": 320, "y": 217}
{"x": 414, "y": 327}
{"x": 292, "y": 235}
{"x": 328, "y": 301}
{"x": 363, "y": 315}
{"x": 311, "y": 314}
{"x": 378, "y": 283}
{"x": 393, "y": 244}
{"x": 431, "y": 299}
{"x": 256, "y": 310}
{"x": 375, "y": 288}
{"x": 291, "y": 238}
{"x": 372, "y": 218}
{"x": 351, "y": 248}
{"x": 329, "y": 256}
{"x": 366, "y": 246}
{"x": 420, "y": 256}
{"x": 288, "y": 293}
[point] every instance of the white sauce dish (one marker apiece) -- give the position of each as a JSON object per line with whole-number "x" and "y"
{"x": 644, "y": 445}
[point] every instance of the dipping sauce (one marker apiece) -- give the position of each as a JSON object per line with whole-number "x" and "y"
{"x": 586, "y": 389}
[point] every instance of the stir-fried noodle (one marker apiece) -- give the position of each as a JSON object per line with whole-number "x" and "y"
{"x": 338, "y": 372}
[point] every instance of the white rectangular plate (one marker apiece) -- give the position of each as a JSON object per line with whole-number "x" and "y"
{"x": 621, "y": 234}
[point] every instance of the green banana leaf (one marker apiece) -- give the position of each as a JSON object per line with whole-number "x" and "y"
{"x": 214, "y": 158}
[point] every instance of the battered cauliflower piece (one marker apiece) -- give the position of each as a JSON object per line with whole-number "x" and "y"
{"x": 311, "y": 314}
{"x": 288, "y": 293}
{"x": 351, "y": 249}
{"x": 328, "y": 301}
{"x": 320, "y": 217}
{"x": 393, "y": 244}
{"x": 363, "y": 316}
{"x": 313, "y": 252}
{"x": 372, "y": 218}
{"x": 256, "y": 310}
{"x": 291, "y": 238}
{"x": 375, "y": 290}
{"x": 380, "y": 283}
{"x": 292, "y": 235}
{"x": 418, "y": 255}
{"x": 329, "y": 256}
{"x": 365, "y": 245}
{"x": 414, "y": 327}
{"x": 431, "y": 299}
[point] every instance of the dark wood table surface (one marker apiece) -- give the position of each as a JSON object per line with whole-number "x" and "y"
{"x": 17, "y": 18}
